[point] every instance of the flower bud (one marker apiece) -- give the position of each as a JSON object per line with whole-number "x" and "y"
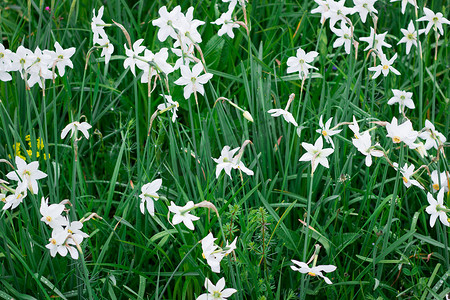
{"x": 248, "y": 116}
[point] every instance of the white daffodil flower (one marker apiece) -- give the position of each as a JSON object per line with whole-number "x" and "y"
{"x": 171, "y": 105}
{"x": 437, "y": 209}
{"x": 213, "y": 253}
{"x": 74, "y": 127}
{"x": 227, "y": 23}
{"x": 301, "y": 63}
{"x": 182, "y": 214}
{"x": 51, "y": 214}
{"x": 432, "y": 137}
{"x": 338, "y": 12}
{"x": 133, "y": 57}
{"x": 410, "y": 37}
{"x": 375, "y": 41}
{"x": 364, "y": 7}
{"x": 344, "y": 35}
{"x": 13, "y": 200}
{"x": 435, "y": 20}
{"x": 316, "y": 154}
{"x": 326, "y": 131}
{"x": 314, "y": 271}
{"x": 440, "y": 181}
{"x": 405, "y": 2}
{"x": 192, "y": 80}
{"x": 384, "y": 67}
{"x": 276, "y": 112}
{"x": 61, "y": 57}
{"x": 407, "y": 173}
{"x": 403, "y": 98}
{"x": 364, "y": 145}
{"x": 216, "y": 292}
{"x": 148, "y": 195}
{"x": 97, "y": 26}
{"x": 401, "y": 133}
{"x": 28, "y": 173}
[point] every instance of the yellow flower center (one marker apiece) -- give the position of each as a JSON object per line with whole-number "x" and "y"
{"x": 410, "y": 36}
{"x": 436, "y": 186}
{"x": 324, "y": 133}
{"x": 405, "y": 179}
{"x": 396, "y": 139}
{"x": 385, "y": 67}
{"x": 3, "y": 199}
{"x": 312, "y": 274}
{"x": 69, "y": 231}
{"x": 48, "y": 218}
{"x": 60, "y": 57}
{"x": 217, "y": 295}
{"x": 53, "y": 241}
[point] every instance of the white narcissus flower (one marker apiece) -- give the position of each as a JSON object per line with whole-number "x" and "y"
{"x": 407, "y": 173}
{"x": 401, "y": 133}
{"x": 23, "y": 59}
{"x": 410, "y": 37}
{"x": 228, "y": 161}
{"x": 167, "y": 22}
{"x": 375, "y": 41}
{"x": 74, "y": 229}
{"x": 355, "y": 128}
{"x": 385, "y": 66}
{"x": 186, "y": 56}
{"x": 300, "y": 63}
{"x": 284, "y": 112}
{"x": 437, "y": 209}
{"x": 51, "y": 214}
{"x": 148, "y": 195}
{"x": 432, "y": 137}
{"x": 316, "y": 154}
{"x": 364, "y": 7}
{"x": 344, "y": 37}
{"x": 227, "y": 23}
{"x": 182, "y": 214}
{"x": 62, "y": 58}
{"x": 13, "y": 200}
{"x": 225, "y": 161}
{"x": 276, "y": 112}
{"x": 440, "y": 181}
{"x": 187, "y": 26}
{"x": 133, "y": 54}
{"x": 74, "y": 127}
{"x": 403, "y": 98}
{"x": 338, "y": 12}
{"x": 216, "y": 292}
{"x": 57, "y": 241}
{"x": 107, "y": 49}
{"x": 434, "y": 21}
{"x": 326, "y": 131}
{"x": 321, "y": 9}
{"x": 405, "y": 2}
{"x": 213, "y": 253}
{"x": 97, "y": 26}
{"x": 39, "y": 70}
{"x": 170, "y": 103}
{"x": 157, "y": 63}
{"x": 192, "y": 81}
{"x": 314, "y": 271}
{"x": 364, "y": 145}
{"x": 28, "y": 173}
